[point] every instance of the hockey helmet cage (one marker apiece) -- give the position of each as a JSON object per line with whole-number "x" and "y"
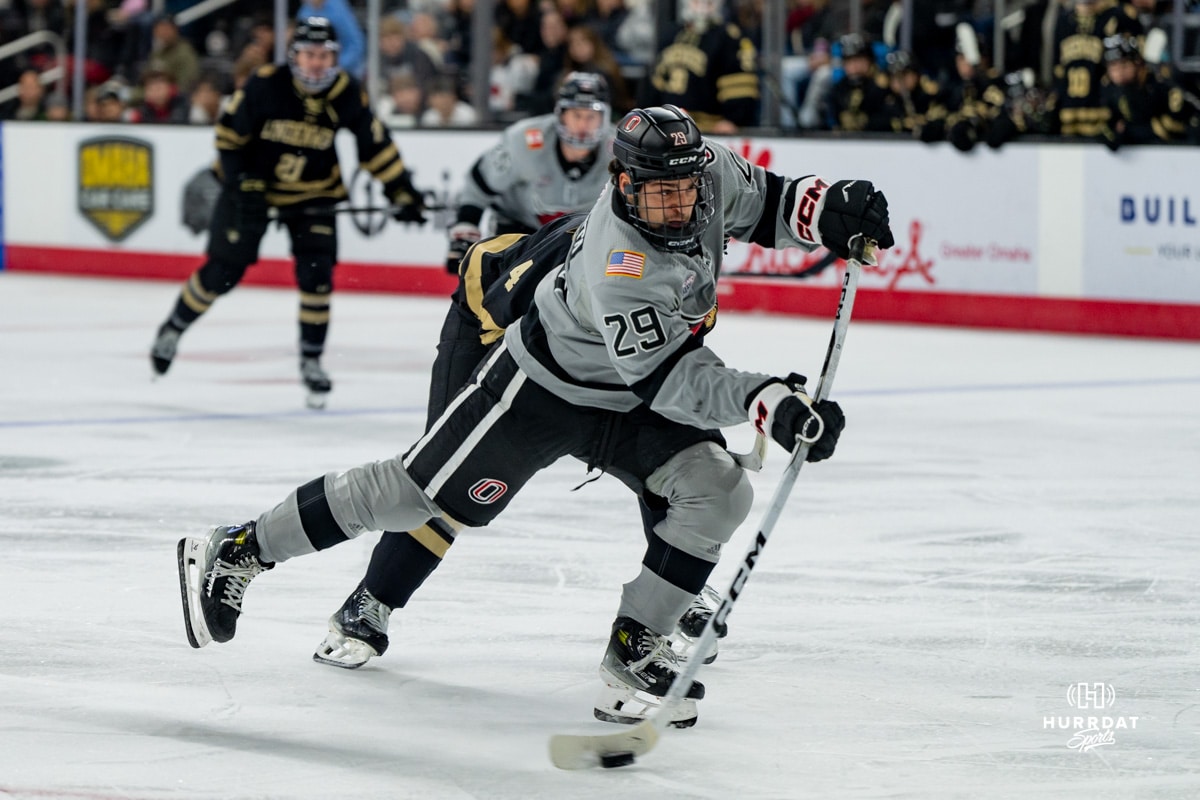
{"x": 900, "y": 61}
{"x": 1121, "y": 47}
{"x": 586, "y": 90}
{"x": 314, "y": 32}
{"x": 663, "y": 143}
{"x": 854, "y": 44}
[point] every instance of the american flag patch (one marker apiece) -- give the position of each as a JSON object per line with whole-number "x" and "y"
{"x": 626, "y": 262}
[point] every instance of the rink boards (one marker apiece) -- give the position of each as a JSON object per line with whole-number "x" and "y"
{"x": 1053, "y": 237}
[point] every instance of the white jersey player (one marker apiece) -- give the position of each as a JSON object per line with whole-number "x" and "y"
{"x": 609, "y": 365}
{"x": 541, "y": 168}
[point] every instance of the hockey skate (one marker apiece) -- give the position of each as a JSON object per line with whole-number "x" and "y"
{"x": 357, "y": 631}
{"x": 637, "y": 671}
{"x": 213, "y": 575}
{"x": 162, "y": 352}
{"x": 316, "y": 380}
{"x": 691, "y": 625}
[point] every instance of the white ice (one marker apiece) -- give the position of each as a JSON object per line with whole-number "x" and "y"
{"x": 1007, "y": 515}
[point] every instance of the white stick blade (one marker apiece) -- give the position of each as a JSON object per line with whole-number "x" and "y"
{"x": 568, "y": 751}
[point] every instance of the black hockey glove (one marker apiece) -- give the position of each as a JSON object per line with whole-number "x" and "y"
{"x": 462, "y": 236}
{"x": 781, "y": 409}
{"x": 851, "y": 208}
{"x": 408, "y": 200}
{"x": 250, "y": 204}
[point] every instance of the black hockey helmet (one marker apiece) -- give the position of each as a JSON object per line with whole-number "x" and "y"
{"x": 314, "y": 32}
{"x": 662, "y": 143}
{"x": 900, "y": 61}
{"x": 854, "y": 44}
{"x": 1122, "y": 47}
{"x": 586, "y": 90}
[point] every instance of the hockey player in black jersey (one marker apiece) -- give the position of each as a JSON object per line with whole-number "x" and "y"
{"x": 605, "y": 366}
{"x": 1146, "y": 106}
{"x": 709, "y": 67}
{"x": 275, "y": 139}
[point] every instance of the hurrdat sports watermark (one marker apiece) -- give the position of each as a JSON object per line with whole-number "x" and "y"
{"x": 1092, "y": 730}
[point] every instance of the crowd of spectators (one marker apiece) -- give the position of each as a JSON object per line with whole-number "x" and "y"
{"x": 142, "y": 67}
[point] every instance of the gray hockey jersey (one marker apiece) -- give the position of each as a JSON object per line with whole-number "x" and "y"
{"x": 617, "y": 324}
{"x": 522, "y": 180}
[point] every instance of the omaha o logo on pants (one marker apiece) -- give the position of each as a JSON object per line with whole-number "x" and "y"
{"x": 488, "y": 491}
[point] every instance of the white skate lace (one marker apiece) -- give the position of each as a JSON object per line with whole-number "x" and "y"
{"x": 660, "y": 653}
{"x": 373, "y": 612}
{"x": 239, "y": 576}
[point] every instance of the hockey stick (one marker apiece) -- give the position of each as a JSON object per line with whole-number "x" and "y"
{"x": 320, "y": 211}
{"x": 569, "y": 751}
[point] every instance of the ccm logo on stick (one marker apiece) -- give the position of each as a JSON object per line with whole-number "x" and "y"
{"x": 487, "y": 491}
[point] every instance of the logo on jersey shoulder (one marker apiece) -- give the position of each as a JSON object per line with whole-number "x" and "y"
{"x": 487, "y": 491}
{"x": 688, "y": 283}
{"x": 626, "y": 263}
{"x": 534, "y": 139}
{"x": 116, "y": 184}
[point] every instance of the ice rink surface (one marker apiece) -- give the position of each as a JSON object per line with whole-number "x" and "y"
{"x": 1008, "y": 516}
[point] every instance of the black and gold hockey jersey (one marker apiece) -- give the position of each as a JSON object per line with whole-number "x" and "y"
{"x": 910, "y": 106}
{"x": 1079, "y": 63}
{"x": 712, "y": 74}
{"x": 860, "y": 104}
{"x": 497, "y": 276}
{"x": 273, "y": 130}
{"x": 1152, "y": 109}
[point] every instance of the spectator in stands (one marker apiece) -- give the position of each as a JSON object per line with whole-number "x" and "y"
{"x": 403, "y": 104}
{"x": 423, "y": 29}
{"x": 58, "y": 109}
{"x": 456, "y": 31}
{"x": 586, "y": 52}
{"x": 350, "y": 34}
{"x": 807, "y": 22}
{"x": 446, "y": 109}
{"x": 161, "y": 101}
{"x": 112, "y": 103}
{"x": 245, "y": 66}
{"x": 551, "y": 58}
{"x": 520, "y": 20}
{"x": 707, "y": 67}
{"x": 30, "y": 102}
{"x": 636, "y": 35}
{"x": 511, "y": 75}
{"x": 398, "y": 54}
{"x": 606, "y": 19}
{"x": 173, "y": 54}
{"x": 204, "y": 104}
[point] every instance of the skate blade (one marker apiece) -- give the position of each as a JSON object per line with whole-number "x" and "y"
{"x": 316, "y": 400}
{"x": 339, "y": 651}
{"x": 628, "y": 706}
{"x": 190, "y": 554}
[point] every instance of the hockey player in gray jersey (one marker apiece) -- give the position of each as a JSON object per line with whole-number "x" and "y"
{"x": 541, "y": 168}
{"x": 606, "y": 366}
